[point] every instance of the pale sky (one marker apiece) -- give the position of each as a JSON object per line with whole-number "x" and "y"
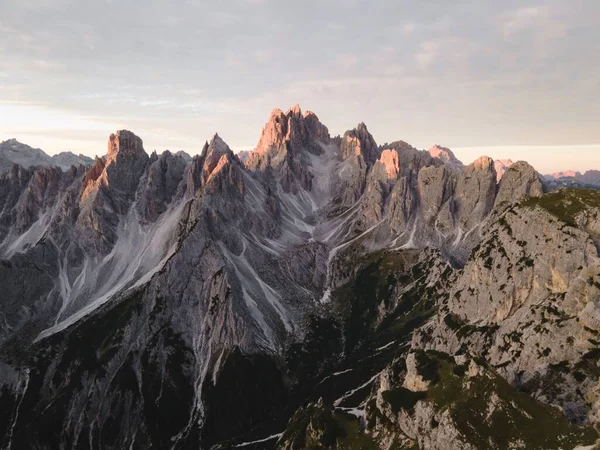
{"x": 510, "y": 79}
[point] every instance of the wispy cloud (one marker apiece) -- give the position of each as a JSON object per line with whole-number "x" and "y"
{"x": 493, "y": 71}
{"x": 262, "y": 56}
{"x": 408, "y": 28}
{"x": 538, "y": 20}
{"x": 427, "y": 54}
{"x": 347, "y": 60}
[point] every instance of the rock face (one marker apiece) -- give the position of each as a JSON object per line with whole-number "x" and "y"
{"x": 287, "y": 141}
{"x": 519, "y": 181}
{"x": 244, "y": 155}
{"x": 591, "y": 177}
{"x": 501, "y": 166}
{"x": 447, "y": 157}
{"x": 525, "y": 301}
{"x": 359, "y": 142}
{"x": 464, "y": 405}
{"x": 378, "y": 290}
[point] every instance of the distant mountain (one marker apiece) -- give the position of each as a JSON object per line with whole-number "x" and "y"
{"x": 502, "y": 165}
{"x": 574, "y": 178}
{"x": 591, "y": 177}
{"x": 566, "y": 173}
{"x": 185, "y": 156}
{"x": 65, "y": 160}
{"x": 243, "y": 155}
{"x": 13, "y": 152}
{"x": 447, "y": 157}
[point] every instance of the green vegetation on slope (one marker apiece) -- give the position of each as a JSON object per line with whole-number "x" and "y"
{"x": 317, "y": 427}
{"x": 487, "y": 411}
{"x": 566, "y": 204}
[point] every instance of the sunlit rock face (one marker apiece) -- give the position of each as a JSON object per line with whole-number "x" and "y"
{"x": 501, "y": 166}
{"x": 137, "y": 289}
{"x": 447, "y": 157}
{"x": 359, "y": 142}
{"x": 287, "y": 141}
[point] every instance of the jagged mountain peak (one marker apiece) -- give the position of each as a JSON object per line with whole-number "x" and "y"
{"x": 362, "y": 127}
{"x": 125, "y": 142}
{"x": 502, "y": 166}
{"x": 286, "y": 144}
{"x": 295, "y": 110}
{"x": 14, "y": 152}
{"x": 215, "y": 150}
{"x": 125, "y": 163}
{"x": 13, "y": 143}
{"x": 400, "y": 146}
{"x": 203, "y": 270}
{"x": 294, "y": 127}
{"x": 483, "y": 163}
{"x": 218, "y": 144}
{"x": 359, "y": 142}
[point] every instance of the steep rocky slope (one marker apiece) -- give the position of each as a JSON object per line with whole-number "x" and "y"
{"x": 153, "y": 301}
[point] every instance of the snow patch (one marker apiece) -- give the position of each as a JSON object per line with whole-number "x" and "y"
{"x": 385, "y": 346}
{"x": 268, "y": 438}
{"x": 353, "y": 391}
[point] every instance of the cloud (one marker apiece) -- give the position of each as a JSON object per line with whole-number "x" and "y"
{"x": 172, "y": 21}
{"x": 408, "y": 28}
{"x": 262, "y": 56}
{"x": 234, "y": 62}
{"x": 428, "y": 54}
{"x": 347, "y": 60}
{"x": 538, "y": 20}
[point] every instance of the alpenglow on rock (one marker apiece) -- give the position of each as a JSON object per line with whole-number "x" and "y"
{"x": 319, "y": 284}
{"x": 447, "y": 157}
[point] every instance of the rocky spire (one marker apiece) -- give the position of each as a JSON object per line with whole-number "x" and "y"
{"x": 475, "y": 193}
{"x": 214, "y": 151}
{"x": 359, "y": 141}
{"x": 285, "y": 143}
{"x": 113, "y": 182}
{"x": 290, "y": 130}
{"x": 125, "y": 143}
{"x": 126, "y": 161}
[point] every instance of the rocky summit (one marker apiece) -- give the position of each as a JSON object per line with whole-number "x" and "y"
{"x": 317, "y": 292}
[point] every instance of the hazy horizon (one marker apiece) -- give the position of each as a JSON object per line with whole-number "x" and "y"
{"x": 516, "y": 80}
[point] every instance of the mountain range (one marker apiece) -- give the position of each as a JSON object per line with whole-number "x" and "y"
{"x": 316, "y": 292}
{"x": 590, "y": 177}
{"x": 14, "y": 152}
